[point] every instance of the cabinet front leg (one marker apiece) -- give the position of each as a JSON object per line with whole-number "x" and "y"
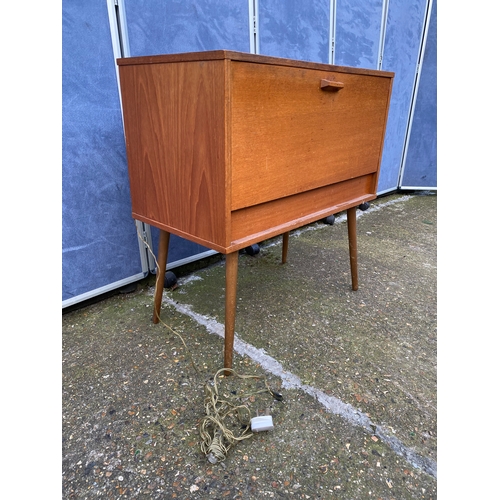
{"x": 160, "y": 272}
{"x": 353, "y": 246}
{"x": 230, "y": 315}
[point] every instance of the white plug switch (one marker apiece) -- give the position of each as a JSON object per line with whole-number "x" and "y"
{"x": 263, "y": 423}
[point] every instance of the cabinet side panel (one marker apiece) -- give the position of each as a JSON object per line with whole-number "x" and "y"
{"x": 290, "y": 136}
{"x": 174, "y": 128}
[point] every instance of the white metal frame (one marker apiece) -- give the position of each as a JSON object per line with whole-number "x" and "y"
{"x": 103, "y": 289}
{"x": 253, "y": 25}
{"x": 119, "y": 33}
{"x": 383, "y": 26}
{"x": 121, "y": 48}
{"x": 332, "y": 33}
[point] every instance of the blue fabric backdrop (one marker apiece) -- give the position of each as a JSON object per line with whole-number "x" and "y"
{"x": 295, "y": 29}
{"x": 420, "y": 169}
{"x": 402, "y": 45}
{"x": 99, "y": 238}
{"x": 357, "y": 37}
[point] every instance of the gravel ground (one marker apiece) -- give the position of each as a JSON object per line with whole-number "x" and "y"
{"x": 356, "y": 371}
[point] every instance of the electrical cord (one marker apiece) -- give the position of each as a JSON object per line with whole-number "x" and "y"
{"x": 216, "y": 436}
{"x": 157, "y": 284}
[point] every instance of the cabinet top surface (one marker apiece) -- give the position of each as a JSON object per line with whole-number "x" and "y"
{"x": 213, "y": 55}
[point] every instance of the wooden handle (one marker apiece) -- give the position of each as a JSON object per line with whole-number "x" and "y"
{"x": 330, "y": 85}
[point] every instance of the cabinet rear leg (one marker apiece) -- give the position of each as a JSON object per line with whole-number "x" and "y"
{"x": 284, "y": 251}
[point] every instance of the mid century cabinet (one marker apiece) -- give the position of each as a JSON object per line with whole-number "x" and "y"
{"x": 227, "y": 149}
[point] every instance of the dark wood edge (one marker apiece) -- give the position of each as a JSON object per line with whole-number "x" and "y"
{"x": 213, "y": 55}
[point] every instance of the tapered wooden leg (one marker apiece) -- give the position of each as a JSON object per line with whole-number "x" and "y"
{"x": 160, "y": 272}
{"x": 284, "y": 252}
{"x": 231, "y": 285}
{"x": 353, "y": 246}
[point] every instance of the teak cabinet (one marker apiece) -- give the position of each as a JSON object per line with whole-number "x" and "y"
{"x": 227, "y": 149}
